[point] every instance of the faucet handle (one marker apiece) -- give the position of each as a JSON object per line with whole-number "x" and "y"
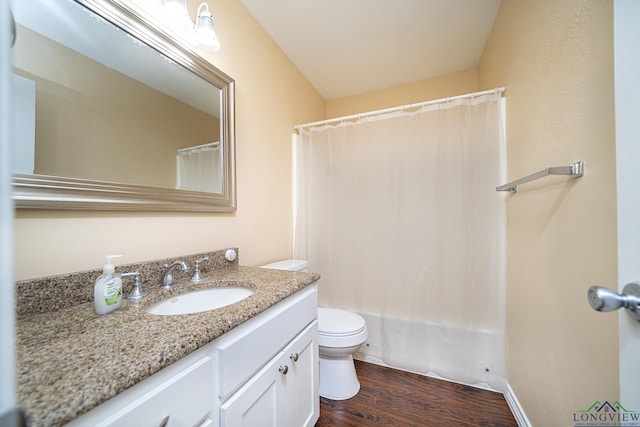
{"x": 168, "y": 279}
{"x": 197, "y": 277}
{"x": 136, "y": 293}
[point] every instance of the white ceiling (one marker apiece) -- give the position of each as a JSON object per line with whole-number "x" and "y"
{"x": 348, "y": 47}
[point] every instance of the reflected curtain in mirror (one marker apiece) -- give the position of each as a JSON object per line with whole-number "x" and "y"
{"x": 197, "y": 166}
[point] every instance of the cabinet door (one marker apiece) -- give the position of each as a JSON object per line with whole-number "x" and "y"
{"x": 261, "y": 401}
{"x": 284, "y": 393}
{"x": 303, "y": 402}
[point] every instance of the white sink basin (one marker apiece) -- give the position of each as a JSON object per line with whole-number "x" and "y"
{"x": 199, "y": 301}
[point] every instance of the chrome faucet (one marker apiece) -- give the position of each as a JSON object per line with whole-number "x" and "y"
{"x": 168, "y": 279}
{"x": 197, "y": 277}
{"x": 137, "y": 293}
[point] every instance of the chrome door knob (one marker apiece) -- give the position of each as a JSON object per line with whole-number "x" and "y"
{"x": 605, "y": 299}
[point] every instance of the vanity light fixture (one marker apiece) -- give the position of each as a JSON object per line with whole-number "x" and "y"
{"x": 205, "y": 31}
{"x": 202, "y": 33}
{"x": 174, "y": 14}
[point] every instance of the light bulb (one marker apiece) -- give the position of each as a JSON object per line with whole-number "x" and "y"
{"x": 205, "y": 31}
{"x": 174, "y": 13}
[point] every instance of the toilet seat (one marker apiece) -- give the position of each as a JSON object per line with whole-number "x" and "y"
{"x": 340, "y": 334}
{"x": 340, "y": 328}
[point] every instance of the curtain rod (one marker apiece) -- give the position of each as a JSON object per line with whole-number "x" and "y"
{"x": 210, "y": 144}
{"x": 400, "y": 108}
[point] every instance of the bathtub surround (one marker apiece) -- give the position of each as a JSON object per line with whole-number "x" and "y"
{"x": 400, "y": 214}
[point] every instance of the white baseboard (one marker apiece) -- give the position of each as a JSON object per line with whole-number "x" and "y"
{"x": 516, "y": 409}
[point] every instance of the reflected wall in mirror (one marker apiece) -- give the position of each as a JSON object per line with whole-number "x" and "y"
{"x": 116, "y": 117}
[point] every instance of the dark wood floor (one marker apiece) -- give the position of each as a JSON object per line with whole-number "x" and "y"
{"x": 389, "y": 397}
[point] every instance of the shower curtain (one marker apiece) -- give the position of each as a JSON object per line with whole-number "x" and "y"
{"x": 199, "y": 168}
{"x": 399, "y": 215}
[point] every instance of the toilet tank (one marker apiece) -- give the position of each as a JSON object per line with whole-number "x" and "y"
{"x": 289, "y": 265}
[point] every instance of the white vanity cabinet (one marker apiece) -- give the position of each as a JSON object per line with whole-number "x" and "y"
{"x": 180, "y": 395}
{"x": 283, "y": 392}
{"x": 262, "y": 373}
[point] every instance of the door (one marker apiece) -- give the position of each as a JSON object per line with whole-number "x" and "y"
{"x": 303, "y": 404}
{"x": 627, "y": 105}
{"x": 7, "y": 313}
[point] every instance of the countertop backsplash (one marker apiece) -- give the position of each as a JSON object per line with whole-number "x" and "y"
{"x": 45, "y": 294}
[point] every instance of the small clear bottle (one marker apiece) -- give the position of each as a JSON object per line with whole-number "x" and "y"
{"x": 107, "y": 293}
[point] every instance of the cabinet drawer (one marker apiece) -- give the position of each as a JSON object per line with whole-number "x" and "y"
{"x": 242, "y": 356}
{"x": 186, "y": 398}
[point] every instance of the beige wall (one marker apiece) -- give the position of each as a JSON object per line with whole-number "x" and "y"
{"x": 556, "y": 60}
{"x": 424, "y": 90}
{"x": 271, "y": 96}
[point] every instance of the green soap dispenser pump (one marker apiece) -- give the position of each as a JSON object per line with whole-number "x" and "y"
{"x": 107, "y": 293}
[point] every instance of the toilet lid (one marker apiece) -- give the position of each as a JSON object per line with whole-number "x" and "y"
{"x": 333, "y": 321}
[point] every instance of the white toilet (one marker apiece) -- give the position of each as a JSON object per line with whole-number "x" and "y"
{"x": 340, "y": 334}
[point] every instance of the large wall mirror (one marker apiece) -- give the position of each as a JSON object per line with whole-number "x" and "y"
{"x": 113, "y": 112}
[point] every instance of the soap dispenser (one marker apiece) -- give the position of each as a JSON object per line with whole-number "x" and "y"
{"x": 107, "y": 293}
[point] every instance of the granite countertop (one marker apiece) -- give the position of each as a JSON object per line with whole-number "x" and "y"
{"x": 71, "y": 360}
